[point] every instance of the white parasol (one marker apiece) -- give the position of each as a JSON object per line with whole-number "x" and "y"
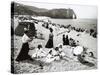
{"x": 78, "y": 50}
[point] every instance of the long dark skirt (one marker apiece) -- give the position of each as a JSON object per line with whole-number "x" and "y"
{"x": 49, "y": 43}
{"x": 67, "y": 42}
{"x": 23, "y": 55}
{"x": 64, "y": 41}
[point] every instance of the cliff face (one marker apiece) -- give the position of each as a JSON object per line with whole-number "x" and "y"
{"x": 62, "y": 13}
{"x": 20, "y": 9}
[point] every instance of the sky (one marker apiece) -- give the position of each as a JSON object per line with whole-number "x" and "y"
{"x": 82, "y": 11}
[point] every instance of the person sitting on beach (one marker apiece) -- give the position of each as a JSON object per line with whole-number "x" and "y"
{"x": 42, "y": 56}
{"x": 53, "y": 55}
{"x": 72, "y": 42}
{"x": 46, "y": 58}
{"x": 39, "y": 52}
{"x": 57, "y": 54}
{"x": 49, "y": 58}
{"x": 62, "y": 54}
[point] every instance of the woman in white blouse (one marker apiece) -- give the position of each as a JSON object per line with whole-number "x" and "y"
{"x": 23, "y": 55}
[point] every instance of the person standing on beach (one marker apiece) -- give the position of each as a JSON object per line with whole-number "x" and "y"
{"x": 64, "y": 40}
{"x": 50, "y": 41}
{"x": 23, "y": 55}
{"x": 67, "y": 40}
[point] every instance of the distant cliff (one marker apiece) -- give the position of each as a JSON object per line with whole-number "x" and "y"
{"x": 20, "y": 9}
{"x": 62, "y": 13}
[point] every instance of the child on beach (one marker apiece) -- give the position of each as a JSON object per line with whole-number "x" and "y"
{"x": 62, "y": 54}
{"x": 50, "y": 57}
{"x": 39, "y": 53}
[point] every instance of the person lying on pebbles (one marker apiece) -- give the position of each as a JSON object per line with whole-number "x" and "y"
{"x": 83, "y": 56}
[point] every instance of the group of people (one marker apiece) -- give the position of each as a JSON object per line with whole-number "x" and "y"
{"x": 53, "y": 54}
{"x": 93, "y": 33}
{"x": 28, "y": 38}
{"x": 65, "y": 40}
{"x": 56, "y": 53}
{"x": 23, "y": 55}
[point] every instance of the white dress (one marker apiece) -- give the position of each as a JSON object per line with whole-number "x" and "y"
{"x": 49, "y": 58}
{"x": 56, "y": 55}
{"x": 62, "y": 53}
{"x": 39, "y": 53}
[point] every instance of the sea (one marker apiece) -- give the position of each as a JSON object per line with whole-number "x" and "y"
{"x": 78, "y": 23}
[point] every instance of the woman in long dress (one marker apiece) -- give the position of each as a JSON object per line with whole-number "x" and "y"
{"x": 64, "y": 40}
{"x": 67, "y": 40}
{"x": 50, "y": 41}
{"x": 23, "y": 55}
